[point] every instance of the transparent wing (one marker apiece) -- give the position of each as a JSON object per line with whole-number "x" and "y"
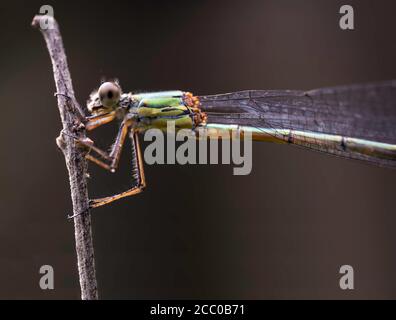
{"x": 365, "y": 111}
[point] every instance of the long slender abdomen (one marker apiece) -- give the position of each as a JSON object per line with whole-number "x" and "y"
{"x": 329, "y": 143}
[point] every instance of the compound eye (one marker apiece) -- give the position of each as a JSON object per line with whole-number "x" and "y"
{"x": 109, "y": 94}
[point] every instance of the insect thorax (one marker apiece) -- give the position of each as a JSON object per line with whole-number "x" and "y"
{"x": 156, "y": 109}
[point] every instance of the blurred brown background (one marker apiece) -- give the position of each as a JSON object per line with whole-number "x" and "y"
{"x": 197, "y": 231}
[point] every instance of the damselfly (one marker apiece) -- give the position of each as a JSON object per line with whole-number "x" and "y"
{"x": 355, "y": 122}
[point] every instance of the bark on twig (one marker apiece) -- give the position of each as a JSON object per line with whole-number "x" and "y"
{"x": 71, "y": 116}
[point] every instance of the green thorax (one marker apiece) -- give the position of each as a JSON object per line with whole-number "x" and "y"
{"x": 156, "y": 109}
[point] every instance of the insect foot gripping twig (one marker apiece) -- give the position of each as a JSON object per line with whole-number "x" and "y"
{"x": 71, "y": 116}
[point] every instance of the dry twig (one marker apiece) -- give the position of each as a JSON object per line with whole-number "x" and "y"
{"x": 71, "y": 116}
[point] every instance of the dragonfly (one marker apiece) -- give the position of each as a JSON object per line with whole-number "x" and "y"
{"x": 354, "y": 121}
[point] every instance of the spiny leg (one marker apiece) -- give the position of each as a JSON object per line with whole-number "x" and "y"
{"x": 115, "y": 153}
{"x": 111, "y": 158}
{"x": 100, "y": 163}
{"x": 141, "y": 180}
{"x": 92, "y": 123}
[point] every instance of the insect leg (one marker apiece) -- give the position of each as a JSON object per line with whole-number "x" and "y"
{"x": 97, "y": 121}
{"x": 110, "y": 160}
{"x": 141, "y": 180}
{"x": 118, "y": 144}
